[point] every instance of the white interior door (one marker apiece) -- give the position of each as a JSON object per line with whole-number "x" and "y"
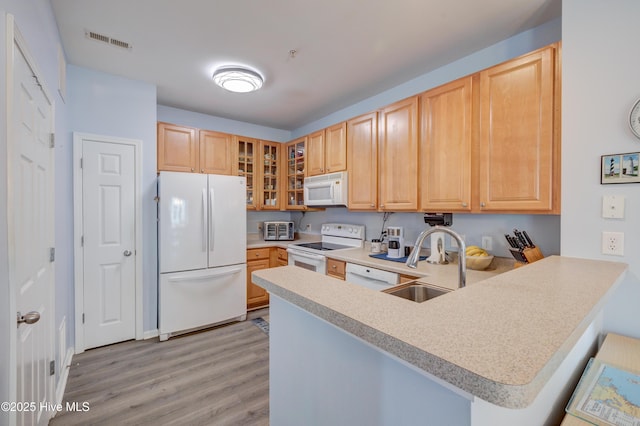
{"x": 31, "y": 238}
{"x": 108, "y": 206}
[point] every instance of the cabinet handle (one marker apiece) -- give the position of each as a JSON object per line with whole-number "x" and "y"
{"x": 333, "y": 266}
{"x": 201, "y": 170}
{"x": 373, "y": 205}
{"x": 193, "y": 170}
{"x": 482, "y": 204}
{"x": 464, "y": 204}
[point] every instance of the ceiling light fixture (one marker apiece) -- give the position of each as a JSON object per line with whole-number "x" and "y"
{"x": 238, "y": 79}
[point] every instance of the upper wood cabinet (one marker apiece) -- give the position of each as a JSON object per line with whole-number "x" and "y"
{"x": 216, "y": 152}
{"x": 185, "y": 149}
{"x": 398, "y": 156}
{"x": 246, "y": 163}
{"x": 177, "y": 148}
{"x": 294, "y": 172}
{"x": 517, "y": 152}
{"x": 327, "y": 150}
{"x": 362, "y": 160}
{"x": 446, "y": 138}
{"x": 269, "y": 175}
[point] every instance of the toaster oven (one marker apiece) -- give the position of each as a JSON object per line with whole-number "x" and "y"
{"x": 274, "y": 231}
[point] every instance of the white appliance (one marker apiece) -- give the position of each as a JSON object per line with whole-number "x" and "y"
{"x": 375, "y": 279}
{"x": 438, "y": 254}
{"x": 202, "y": 251}
{"x": 326, "y": 190}
{"x": 335, "y": 236}
{"x": 395, "y": 235}
{"x": 278, "y": 231}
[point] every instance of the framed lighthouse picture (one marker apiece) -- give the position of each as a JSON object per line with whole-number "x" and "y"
{"x": 620, "y": 168}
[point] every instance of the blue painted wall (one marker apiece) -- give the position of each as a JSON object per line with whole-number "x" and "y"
{"x": 109, "y": 105}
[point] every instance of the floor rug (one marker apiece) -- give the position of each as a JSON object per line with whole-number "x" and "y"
{"x": 262, "y": 324}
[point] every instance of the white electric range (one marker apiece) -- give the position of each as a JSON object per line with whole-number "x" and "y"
{"x": 335, "y": 236}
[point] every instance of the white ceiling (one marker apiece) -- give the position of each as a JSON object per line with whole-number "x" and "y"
{"x": 347, "y": 50}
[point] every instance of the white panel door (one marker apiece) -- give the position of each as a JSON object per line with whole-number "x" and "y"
{"x": 108, "y": 175}
{"x": 183, "y": 221}
{"x": 31, "y": 231}
{"x": 227, "y": 220}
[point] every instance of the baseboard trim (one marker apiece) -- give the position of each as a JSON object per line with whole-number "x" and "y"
{"x": 64, "y": 376}
{"x": 150, "y": 334}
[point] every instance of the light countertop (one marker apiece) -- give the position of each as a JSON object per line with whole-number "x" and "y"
{"x": 444, "y": 276}
{"x": 500, "y": 338}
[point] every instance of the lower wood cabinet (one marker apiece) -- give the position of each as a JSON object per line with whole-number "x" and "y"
{"x": 262, "y": 258}
{"x": 282, "y": 258}
{"x": 336, "y": 268}
{"x": 257, "y": 259}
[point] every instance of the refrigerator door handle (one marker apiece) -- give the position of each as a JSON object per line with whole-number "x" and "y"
{"x": 212, "y": 233}
{"x": 204, "y": 220}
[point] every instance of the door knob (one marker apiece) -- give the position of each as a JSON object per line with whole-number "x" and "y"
{"x": 28, "y": 318}
{"x": 127, "y": 253}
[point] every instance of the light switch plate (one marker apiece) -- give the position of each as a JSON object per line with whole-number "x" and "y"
{"x": 613, "y": 207}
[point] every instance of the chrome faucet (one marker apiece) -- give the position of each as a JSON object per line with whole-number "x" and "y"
{"x": 412, "y": 260}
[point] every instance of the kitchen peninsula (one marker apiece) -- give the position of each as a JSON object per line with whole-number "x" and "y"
{"x": 503, "y": 350}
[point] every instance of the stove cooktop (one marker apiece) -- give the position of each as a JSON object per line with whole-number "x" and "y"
{"x": 319, "y": 245}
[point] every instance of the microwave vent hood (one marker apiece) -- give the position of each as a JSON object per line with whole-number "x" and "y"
{"x": 328, "y": 190}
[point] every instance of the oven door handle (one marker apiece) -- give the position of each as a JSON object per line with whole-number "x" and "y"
{"x": 307, "y": 255}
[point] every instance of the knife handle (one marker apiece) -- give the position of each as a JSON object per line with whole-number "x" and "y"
{"x": 529, "y": 240}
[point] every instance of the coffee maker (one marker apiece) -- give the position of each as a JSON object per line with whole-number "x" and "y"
{"x": 395, "y": 235}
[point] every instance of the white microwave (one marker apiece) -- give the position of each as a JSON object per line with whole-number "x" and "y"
{"x": 326, "y": 190}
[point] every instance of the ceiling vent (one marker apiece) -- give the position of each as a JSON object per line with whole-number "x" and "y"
{"x": 108, "y": 40}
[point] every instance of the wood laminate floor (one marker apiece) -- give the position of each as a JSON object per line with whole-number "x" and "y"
{"x": 214, "y": 377}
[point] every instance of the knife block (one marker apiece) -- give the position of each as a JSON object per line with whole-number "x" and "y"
{"x": 531, "y": 254}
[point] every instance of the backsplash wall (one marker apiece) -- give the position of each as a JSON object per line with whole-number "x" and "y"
{"x": 543, "y": 229}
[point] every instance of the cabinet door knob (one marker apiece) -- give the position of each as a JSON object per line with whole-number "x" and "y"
{"x": 201, "y": 170}
{"x": 482, "y": 204}
{"x": 373, "y": 205}
{"x": 464, "y": 204}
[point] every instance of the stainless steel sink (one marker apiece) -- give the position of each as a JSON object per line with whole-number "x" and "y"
{"x": 415, "y": 292}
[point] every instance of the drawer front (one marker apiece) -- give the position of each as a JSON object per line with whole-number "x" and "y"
{"x": 258, "y": 253}
{"x": 336, "y": 267}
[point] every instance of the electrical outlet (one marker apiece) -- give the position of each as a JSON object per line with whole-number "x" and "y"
{"x": 613, "y": 243}
{"x": 487, "y": 242}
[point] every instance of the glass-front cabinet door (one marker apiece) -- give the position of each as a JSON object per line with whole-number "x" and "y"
{"x": 295, "y": 173}
{"x": 246, "y": 164}
{"x": 270, "y": 155}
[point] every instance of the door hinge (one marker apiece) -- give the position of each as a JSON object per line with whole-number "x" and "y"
{"x": 52, "y": 254}
{"x": 52, "y": 367}
{"x": 52, "y": 140}
{"x": 80, "y": 162}
{"x": 82, "y": 241}
{"x": 83, "y": 318}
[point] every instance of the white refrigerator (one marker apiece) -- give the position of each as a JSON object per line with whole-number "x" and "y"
{"x": 202, "y": 251}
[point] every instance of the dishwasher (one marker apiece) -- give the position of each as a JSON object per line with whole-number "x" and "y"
{"x": 372, "y": 278}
